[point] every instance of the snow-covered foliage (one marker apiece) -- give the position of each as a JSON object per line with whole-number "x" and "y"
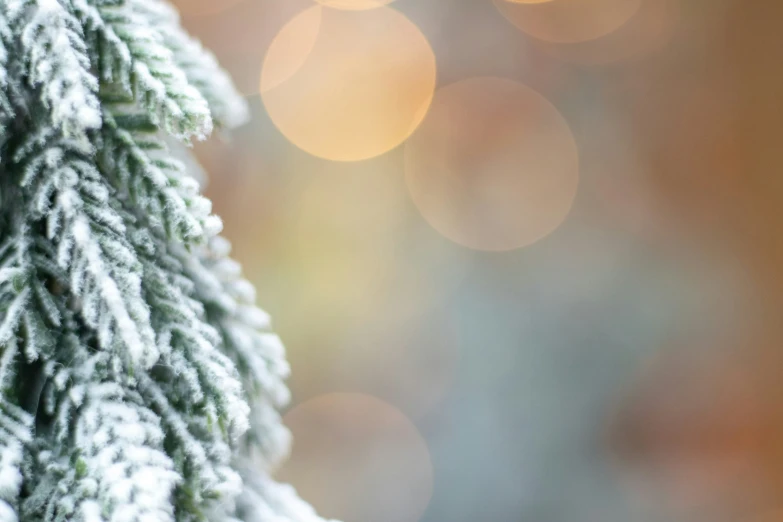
{"x": 138, "y": 380}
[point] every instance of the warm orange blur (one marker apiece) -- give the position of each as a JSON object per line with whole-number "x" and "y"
{"x": 354, "y": 4}
{"x": 568, "y": 21}
{"x": 356, "y": 432}
{"x": 494, "y": 165}
{"x": 348, "y": 85}
{"x": 569, "y": 289}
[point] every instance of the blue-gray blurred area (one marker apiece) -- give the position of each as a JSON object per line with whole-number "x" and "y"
{"x": 624, "y": 368}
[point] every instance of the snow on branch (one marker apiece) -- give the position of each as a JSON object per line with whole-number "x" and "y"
{"x": 138, "y": 166}
{"x": 106, "y": 461}
{"x": 188, "y": 344}
{"x": 138, "y": 379}
{"x": 6, "y": 83}
{"x": 203, "y": 458}
{"x": 228, "y": 107}
{"x": 55, "y": 58}
{"x": 131, "y": 55}
{"x": 68, "y": 194}
{"x": 26, "y": 312}
{"x": 263, "y": 500}
{"x": 258, "y": 354}
{"x": 15, "y": 432}
{"x": 230, "y": 303}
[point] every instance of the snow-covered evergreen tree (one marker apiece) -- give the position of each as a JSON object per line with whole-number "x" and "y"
{"x": 139, "y": 380}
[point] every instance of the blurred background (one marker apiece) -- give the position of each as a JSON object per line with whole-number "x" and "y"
{"x": 525, "y": 255}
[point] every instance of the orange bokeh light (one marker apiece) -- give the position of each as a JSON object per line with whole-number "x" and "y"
{"x": 358, "y": 458}
{"x": 289, "y": 50}
{"x": 568, "y": 21}
{"x": 648, "y": 31}
{"x": 348, "y": 85}
{"x": 494, "y": 165}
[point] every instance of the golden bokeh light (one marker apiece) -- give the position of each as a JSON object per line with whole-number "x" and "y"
{"x": 348, "y": 85}
{"x": 354, "y": 5}
{"x": 645, "y": 33}
{"x": 494, "y": 165}
{"x": 568, "y": 21}
{"x": 290, "y": 48}
{"x": 357, "y": 458}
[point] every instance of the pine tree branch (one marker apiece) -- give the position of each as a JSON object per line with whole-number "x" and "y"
{"x": 131, "y": 55}
{"x": 156, "y": 184}
{"x": 55, "y": 58}
{"x": 132, "y": 356}
{"x": 70, "y": 197}
{"x": 6, "y": 82}
{"x": 228, "y": 107}
{"x": 15, "y": 432}
{"x": 203, "y": 458}
{"x": 188, "y": 344}
{"x": 107, "y": 457}
{"x": 259, "y": 355}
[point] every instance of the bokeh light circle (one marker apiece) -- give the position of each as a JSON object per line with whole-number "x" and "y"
{"x": 645, "y": 33}
{"x": 290, "y": 48}
{"x": 354, "y": 5}
{"x": 568, "y": 21}
{"x": 358, "y": 458}
{"x": 348, "y": 85}
{"x": 494, "y": 165}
